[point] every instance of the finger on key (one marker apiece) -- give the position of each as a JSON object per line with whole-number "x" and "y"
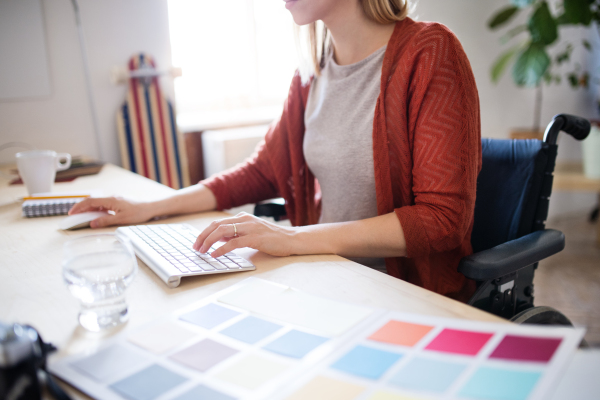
{"x": 204, "y": 234}
{"x": 222, "y": 232}
{"x": 231, "y": 245}
{"x": 209, "y": 230}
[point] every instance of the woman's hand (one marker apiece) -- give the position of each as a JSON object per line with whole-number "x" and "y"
{"x": 124, "y": 212}
{"x": 251, "y": 232}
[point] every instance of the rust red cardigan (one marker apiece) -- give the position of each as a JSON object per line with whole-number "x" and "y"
{"x": 426, "y": 150}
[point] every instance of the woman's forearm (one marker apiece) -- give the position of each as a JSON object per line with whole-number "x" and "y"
{"x": 380, "y": 236}
{"x": 193, "y": 199}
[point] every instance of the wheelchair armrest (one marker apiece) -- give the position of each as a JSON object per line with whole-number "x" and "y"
{"x": 512, "y": 256}
{"x": 271, "y": 208}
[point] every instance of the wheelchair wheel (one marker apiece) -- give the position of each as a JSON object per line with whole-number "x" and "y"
{"x": 544, "y": 316}
{"x": 541, "y": 316}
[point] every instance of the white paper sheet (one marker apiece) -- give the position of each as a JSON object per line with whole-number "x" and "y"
{"x": 162, "y": 337}
{"x": 296, "y": 307}
{"x": 581, "y": 378}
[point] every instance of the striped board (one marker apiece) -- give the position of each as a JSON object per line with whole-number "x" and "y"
{"x": 150, "y": 143}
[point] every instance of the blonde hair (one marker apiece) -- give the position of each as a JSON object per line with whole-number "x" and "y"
{"x": 316, "y": 41}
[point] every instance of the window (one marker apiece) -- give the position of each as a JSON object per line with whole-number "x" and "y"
{"x": 235, "y": 55}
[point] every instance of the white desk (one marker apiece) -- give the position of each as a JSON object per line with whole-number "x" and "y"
{"x": 32, "y": 290}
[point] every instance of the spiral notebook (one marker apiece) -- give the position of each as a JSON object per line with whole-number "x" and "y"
{"x": 49, "y": 207}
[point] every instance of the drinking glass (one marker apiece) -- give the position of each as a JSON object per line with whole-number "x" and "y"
{"x": 97, "y": 270}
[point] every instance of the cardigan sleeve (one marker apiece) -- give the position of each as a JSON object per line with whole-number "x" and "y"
{"x": 444, "y": 132}
{"x": 259, "y": 177}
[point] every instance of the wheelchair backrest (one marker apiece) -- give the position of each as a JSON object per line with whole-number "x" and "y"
{"x": 508, "y": 203}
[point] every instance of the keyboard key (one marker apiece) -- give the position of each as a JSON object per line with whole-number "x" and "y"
{"x": 245, "y": 264}
{"x": 188, "y": 264}
{"x": 195, "y": 268}
{"x": 230, "y": 264}
{"x": 181, "y": 267}
{"x": 214, "y": 263}
{"x": 220, "y": 266}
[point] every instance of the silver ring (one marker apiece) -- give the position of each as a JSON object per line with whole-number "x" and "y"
{"x": 234, "y": 231}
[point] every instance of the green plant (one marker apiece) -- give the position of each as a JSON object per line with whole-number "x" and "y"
{"x": 532, "y": 63}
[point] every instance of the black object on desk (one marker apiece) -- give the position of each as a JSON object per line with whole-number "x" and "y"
{"x": 23, "y": 354}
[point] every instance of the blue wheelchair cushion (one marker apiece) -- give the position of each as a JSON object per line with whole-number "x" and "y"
{"x": 503, "y": 188}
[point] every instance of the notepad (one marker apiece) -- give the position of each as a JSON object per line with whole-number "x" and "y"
{"x": 50, "y": 207}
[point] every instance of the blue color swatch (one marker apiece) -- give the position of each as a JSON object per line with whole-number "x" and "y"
{"x": 429, "y": 375}
{"x": 500, "y": 384}
{"x": 251, "y": 330}
{"x": 366, "y": 362}
{"x": 110, "y": 361}
{"x": 148, "y": 384}
{"x": 209, "y": 316}
{"x": 295, "y": 344}
{"x": 204, "y": 393}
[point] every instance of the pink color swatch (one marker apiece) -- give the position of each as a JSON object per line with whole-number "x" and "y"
{"x": 459, "y": 342}
{"x": 523, "y": 348}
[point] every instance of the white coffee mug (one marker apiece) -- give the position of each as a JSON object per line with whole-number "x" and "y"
{"x": 38, "y": 168}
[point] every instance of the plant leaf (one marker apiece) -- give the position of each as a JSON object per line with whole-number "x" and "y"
{"x": 512, "y": 33}
{"x": 563, "y": 20}
{"x": 578, "y": 11}
{"x": 522, "y": 3}
{"x": 587, "y": 45}
{"x": 542, "y": 25}
{"x": 573, "y": 80}
{"x": 564, "y": 56}
{"x": 584, "y": 80}
{"x": 531, "y": 65}
{"x": 501, "y": 63}
{"x": 502, "y": 17}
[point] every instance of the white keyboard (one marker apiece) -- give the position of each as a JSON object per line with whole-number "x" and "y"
{"x": 167, "y": 250}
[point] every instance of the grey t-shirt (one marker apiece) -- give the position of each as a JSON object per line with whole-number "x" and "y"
{"x": 338, "y": 142}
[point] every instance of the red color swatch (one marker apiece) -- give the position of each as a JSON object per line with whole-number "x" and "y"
{"x": 401, "y": 333}
{"x": 459, "y": 342}
{"x": 523, "y": 348}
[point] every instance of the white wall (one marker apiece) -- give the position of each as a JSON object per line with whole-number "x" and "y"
{"x": 114, "y": 30}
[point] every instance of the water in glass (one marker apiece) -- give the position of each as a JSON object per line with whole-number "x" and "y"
{"x": 98, "y": 269}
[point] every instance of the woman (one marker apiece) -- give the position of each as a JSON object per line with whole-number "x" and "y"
{"x": 389, "y": 126}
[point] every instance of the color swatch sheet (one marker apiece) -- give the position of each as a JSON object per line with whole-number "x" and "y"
{"x": 403, "y": 356}
{"x": 261, "y": 340}
{"x": 246, "y": 342}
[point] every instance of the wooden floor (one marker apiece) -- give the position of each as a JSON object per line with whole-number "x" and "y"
{"x": 570, "y": 281}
